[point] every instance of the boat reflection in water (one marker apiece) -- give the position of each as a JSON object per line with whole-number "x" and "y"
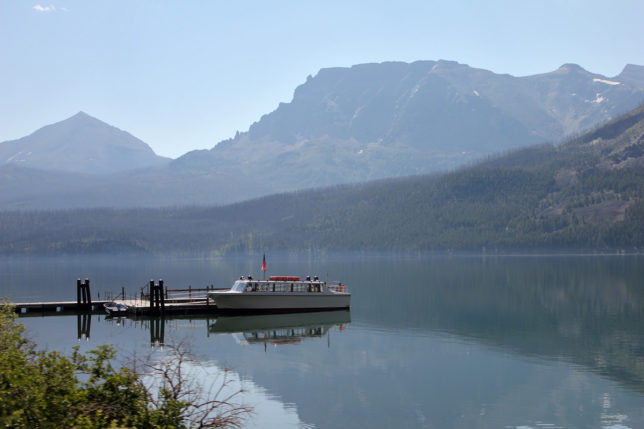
{"x": 278, "y": 329}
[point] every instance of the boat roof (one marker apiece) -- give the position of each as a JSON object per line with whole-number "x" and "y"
{"x": 280, "y": 279}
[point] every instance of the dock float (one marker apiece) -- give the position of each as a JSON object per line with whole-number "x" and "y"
{"x": 158, "y": 300}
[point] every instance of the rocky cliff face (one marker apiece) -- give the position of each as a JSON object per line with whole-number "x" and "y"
{"x": 394, "y": 119}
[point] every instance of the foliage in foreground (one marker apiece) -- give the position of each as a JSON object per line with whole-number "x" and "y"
{"x": 40, "y": 389}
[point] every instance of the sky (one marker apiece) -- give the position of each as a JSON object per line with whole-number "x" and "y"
{"x": 184, "y": 75}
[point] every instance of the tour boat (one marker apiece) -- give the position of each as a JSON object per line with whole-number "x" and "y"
{"x": 281, "y": 294}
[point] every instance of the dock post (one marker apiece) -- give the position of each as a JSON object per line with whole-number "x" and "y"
{"x": 151, "y": 295}
{"x": 161, "y": 296}
{"x": 83, "y": 296}
{"x": 89, "y": 295}
{"x": 157, "y": 298}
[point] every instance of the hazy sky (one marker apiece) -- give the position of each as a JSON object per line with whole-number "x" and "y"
{"x": 184, "y": 75}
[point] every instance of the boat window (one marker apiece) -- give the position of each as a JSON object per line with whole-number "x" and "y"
{"x": 238, "y": 286}
{"x": 280, "y": 287}
{"x": 298, "y": 287}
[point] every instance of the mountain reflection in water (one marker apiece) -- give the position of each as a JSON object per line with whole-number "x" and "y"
{"x": 587, "y": 310}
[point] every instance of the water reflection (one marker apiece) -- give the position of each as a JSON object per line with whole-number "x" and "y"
{"x": 157, "y": 331}
{"x": 433, "y": 342}
{"x": 83, "y": 324}
{"x": 589, "y": 311}
{"x": 273, "y": 329}
{"x": 280, "y": 329}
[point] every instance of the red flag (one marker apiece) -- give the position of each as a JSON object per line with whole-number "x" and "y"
{"x": 264, "y": 263}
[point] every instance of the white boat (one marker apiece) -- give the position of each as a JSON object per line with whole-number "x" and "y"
{"x": 281, "y": 294}
{"x": 115, "y": 308}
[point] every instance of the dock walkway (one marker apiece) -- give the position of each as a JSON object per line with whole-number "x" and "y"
{"x": 135, "y": 307}
{"x": 159, "y": 300}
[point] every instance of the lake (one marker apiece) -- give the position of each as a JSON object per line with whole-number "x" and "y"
{"x": 430, "y": 342}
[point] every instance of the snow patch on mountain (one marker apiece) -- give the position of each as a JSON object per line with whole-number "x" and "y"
{"x": 607, "y": 82}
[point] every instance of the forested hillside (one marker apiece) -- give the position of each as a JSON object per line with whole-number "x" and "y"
{"x": 587, "y": 194}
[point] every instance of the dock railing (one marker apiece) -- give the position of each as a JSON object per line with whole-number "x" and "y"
{"x": 189, "y": 294}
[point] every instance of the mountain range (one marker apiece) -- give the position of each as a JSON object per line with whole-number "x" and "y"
{"x": 344, "y": 125}
{"x": 584, "y": 195}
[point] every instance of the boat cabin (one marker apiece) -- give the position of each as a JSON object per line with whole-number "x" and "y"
{"x": 279, "y": 284}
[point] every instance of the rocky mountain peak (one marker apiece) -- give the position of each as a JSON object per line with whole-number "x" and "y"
{"x": 81, "y": 144}
{"x": 633, "y": 75}
{"x": 571, "y": 69}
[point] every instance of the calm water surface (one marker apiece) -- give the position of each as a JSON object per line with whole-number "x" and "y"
{"x": 435, "y": 342}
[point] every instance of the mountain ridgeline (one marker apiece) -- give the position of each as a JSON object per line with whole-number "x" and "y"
{"x": 395, "y": 119}
{"x": 586, "y": 194}
{"x": 344, "y": 125}
{"x": 80, "y": 144}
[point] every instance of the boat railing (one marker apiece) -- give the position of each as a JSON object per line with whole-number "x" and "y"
{"x": 339, "y": 287}
{"x": 182, "y": 295}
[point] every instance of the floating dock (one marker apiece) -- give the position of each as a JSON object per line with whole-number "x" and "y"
{"x": 135, "y": 307}
{"x": 158, "y": 300}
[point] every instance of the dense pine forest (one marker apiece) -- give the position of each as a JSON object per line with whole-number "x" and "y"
{"x": 586, "y": 194}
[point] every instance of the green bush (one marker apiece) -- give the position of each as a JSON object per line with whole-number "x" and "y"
{"x": 40, "y": 389}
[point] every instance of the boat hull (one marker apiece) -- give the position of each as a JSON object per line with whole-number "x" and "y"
{"x": 259, "y": 301}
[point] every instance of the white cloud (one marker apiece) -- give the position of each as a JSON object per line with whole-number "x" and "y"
{"x": 50, "y": 8}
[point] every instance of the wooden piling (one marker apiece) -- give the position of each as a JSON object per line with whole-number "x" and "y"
{"x": 151, "y": 295}
{"x": 83, "y": 295}
{"x": 157, "y": 297}
{"x": 161, "y": 295}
